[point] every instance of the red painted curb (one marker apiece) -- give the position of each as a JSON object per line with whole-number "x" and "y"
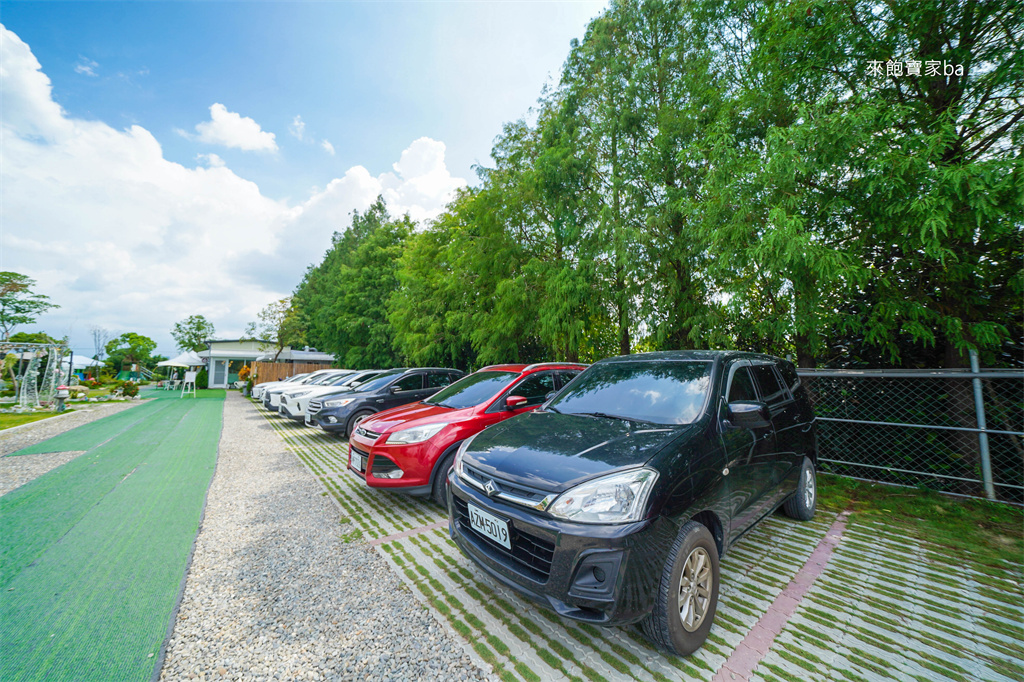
{"x": 759, "y": 640}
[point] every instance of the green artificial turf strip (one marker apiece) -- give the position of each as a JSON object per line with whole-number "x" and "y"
{"x": 37, "y": 514}
{"x": 95, "y": 600}
{"x": 88, "y": 436}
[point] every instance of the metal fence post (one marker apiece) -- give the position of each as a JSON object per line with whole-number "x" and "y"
{"x": 979, "y": 408}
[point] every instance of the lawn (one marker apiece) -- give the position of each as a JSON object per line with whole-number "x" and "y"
{"x": 11, "y": 420}
{"x": 990, "y": 531}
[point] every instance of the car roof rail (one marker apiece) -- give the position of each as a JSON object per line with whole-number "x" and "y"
{"x": 538, "y": 365}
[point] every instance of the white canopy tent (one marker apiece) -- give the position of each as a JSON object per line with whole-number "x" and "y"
{"x": 189, "y": 359}
{"x": 80, "y": 362}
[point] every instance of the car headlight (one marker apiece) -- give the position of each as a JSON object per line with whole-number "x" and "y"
{"x": 297, "y": 394}
{"x": 617, "y": 498}
{"x": 457, "y": 465}
{"x": 338, "y": 403}
{"x": 417, "y": 434}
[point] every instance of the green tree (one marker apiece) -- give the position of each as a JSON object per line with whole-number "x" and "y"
{"x": 428, "y": 311}
{"x": 192, "y": 333}
{"x": 129, "y": 349}
{"x": 347, "y": 293}
{"x": 838, "y": 185}
{"x": 280, "y": 324}
{"x": 36, "y": 337}
{"x": 18, "y": 303}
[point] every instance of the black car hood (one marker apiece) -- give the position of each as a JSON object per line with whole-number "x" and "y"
{"x": 553, "y": 452}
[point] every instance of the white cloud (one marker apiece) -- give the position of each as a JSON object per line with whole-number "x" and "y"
{"x": 233, "y": 130}
{"x": 297, "y": 128}
{"x": 123, "y": 238}
{"x": 328, "y": 147}
{"x": 86, "y": 66}
{"x": 211, "y": 160}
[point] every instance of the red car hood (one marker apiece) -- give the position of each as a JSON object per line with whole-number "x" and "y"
{"x": 416, "y": 414}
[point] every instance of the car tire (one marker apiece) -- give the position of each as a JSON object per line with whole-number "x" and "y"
{"x": 805, "y": 499}
{"x": 440, "y": 490}
{"x": 687, "y": 596}
{"x": 354, "y": 421}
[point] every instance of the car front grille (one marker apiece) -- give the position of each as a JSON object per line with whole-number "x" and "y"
{"x": 314, "y": 407}
{"x": 530, "y": 555}
{"x": 367, "y": 433}
{"x": 512, "y": 493}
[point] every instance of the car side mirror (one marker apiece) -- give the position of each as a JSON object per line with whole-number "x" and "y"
{"x": 514, "y": 401}
{"x": 749, "y": 414}
{"x": 395, "y": 389}
{"x": 550, "y": 395}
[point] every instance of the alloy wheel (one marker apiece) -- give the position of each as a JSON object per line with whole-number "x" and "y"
{"x": 695, "y": 584}
{"x": 809, "y": 487}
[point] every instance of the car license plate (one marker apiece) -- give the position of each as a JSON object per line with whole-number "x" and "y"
{"x": 357, "y": 462}
{"x": 489, "y": 526}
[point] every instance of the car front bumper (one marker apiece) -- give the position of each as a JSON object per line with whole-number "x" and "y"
{"x": 601, "y": 574}
{"x": 332, "y": 419}
{"x": 416, "y": 460}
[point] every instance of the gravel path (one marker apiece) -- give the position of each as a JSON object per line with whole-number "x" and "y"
{"x": 17, "y": 471}
{"x": 274, "y": 593}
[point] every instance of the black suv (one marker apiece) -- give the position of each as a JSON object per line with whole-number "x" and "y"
{"x": 342, "y": 413}
{"x": 613, "y": 502}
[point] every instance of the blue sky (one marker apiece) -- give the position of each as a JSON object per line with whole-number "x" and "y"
{"x": 162, "y": 144}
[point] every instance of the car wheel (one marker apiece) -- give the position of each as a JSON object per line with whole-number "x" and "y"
{"x": 354, "y": 421}
{"x": 805, "y": 500}
{"x": 440, "y": 490}
{"x": 687, "y": 594}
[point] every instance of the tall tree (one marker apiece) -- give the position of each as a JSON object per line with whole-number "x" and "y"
{"x": 280, "y": 324}
{"x": 130, "y": 349}
{"x": 346, "y": 296}
{"x": 18, "y": 303}
{"x": 100, "y": 337}
{"x": 192, "y": 333}
{"x": 850, "y": 176}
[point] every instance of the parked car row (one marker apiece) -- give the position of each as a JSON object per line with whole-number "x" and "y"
{"x": 607, "y": 493}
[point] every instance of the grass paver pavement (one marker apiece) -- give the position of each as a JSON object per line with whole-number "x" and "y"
{"x": 95, "y": 551}
{"x": 890, "y": 604}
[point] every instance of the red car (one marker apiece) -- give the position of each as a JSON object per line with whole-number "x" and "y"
{"x": 411, "y": 448}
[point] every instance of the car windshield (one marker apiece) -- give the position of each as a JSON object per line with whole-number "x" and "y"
{"x": 381, "y": 381}
{"x": 357, "y": 380}
{"x": 472, "y": 390}
{"x": 668, "y": 392}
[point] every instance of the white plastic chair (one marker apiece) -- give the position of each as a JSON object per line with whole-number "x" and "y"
{"x": 189, "y": 384}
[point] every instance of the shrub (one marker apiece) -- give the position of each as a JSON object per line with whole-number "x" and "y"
{"x": 95, "y": 383}
{"x": 130, "y": 389}
{"x": 202, "y": 379}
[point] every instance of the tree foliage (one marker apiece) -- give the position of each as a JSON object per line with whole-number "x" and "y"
{"x": 751, "y": 174}
{"x": 192, "y": 333}
{"x": 280, "y": 324}
{"x": 129, "y": 349}
{"x": 18, "y": 303}
{"x": 344, "y": 299}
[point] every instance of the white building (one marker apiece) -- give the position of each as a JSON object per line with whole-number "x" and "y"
{"x": 224, "y": 359}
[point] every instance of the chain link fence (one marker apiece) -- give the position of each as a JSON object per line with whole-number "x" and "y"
{"x": 956, "y": 431}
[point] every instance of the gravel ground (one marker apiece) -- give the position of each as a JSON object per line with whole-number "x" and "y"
{"x": 274, "y": 593}
{"x": 17, "y": 471}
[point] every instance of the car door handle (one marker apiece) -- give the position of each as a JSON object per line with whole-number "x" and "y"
{"x": 380, "y": 400}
